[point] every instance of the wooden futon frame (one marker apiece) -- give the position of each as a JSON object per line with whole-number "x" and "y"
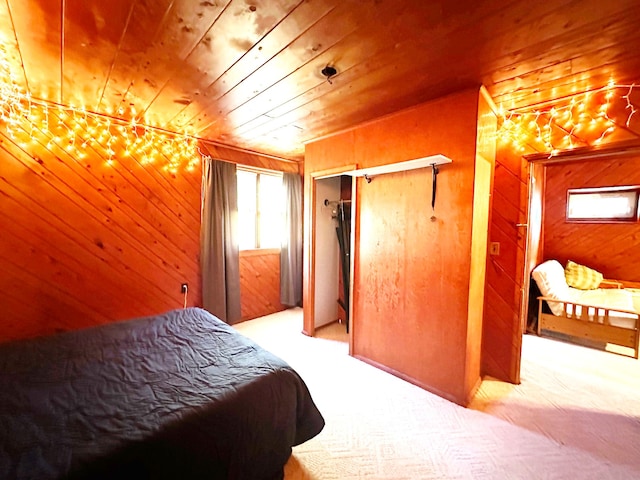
{"x": 593, "y": 322}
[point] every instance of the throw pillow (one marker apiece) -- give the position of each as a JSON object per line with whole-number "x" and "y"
{"x": 579, "y": 276}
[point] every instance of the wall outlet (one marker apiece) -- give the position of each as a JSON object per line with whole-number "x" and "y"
{"x": 184, "y": 288}
{"x": 494, "y": 248}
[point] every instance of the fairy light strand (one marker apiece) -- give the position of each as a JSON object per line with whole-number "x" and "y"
{"x": 78, "y": 130}
{"x": 630, "y": 106}
{"x": 568, "y": 123}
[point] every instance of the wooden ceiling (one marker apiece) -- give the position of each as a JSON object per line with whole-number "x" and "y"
{"x": 247, "y": 73}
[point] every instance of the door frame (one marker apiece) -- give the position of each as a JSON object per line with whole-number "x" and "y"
{"x": 308, "y": 327}
{"x": 534, "y": 223}
{"x": 538, "y": 163}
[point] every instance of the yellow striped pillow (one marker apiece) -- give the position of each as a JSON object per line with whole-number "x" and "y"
{"x": 579, "y": 276}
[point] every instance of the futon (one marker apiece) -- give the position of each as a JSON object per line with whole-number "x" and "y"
{"x": 601, "y": 315}
{"x": 178, "y": 395}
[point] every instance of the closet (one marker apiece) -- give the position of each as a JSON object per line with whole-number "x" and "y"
{"x": 332, "y": 237}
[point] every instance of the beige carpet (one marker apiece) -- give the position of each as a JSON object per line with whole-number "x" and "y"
{"x": 576, "y": 415}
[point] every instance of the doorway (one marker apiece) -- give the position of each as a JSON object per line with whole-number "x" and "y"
{"x": 332, "y": 239}
{"x": 515, "y": 225}
{"x": 605, "y": 245}
{"x": 332, "y": 213}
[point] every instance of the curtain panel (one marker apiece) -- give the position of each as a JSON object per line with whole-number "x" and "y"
{"x": 219, "y": 252}
{"x": 291, "y": 250}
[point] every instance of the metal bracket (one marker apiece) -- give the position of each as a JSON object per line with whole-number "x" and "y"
{"x": 434, "y": 181}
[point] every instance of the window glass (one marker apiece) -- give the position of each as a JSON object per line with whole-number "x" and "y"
{"x": 271, "y": 203}
{"x": 260, "y": 209}
{"x": 602, "y": 204}
{"x": 247, "y": 183}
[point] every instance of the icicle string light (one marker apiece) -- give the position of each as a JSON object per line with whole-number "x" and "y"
{"x": 30, "y": 121}
{"x": 632, "y": 109}
{"x": 569, "y": 123}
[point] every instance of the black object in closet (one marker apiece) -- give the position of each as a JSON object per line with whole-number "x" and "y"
{"x": 343, "y": 230}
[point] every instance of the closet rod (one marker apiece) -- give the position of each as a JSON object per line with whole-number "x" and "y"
{"x": 328, "y": 202}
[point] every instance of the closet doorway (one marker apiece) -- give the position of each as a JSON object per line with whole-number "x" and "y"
{"x": 331, "y": 241}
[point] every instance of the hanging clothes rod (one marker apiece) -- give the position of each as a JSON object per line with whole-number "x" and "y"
{"x": 328, "y": 202}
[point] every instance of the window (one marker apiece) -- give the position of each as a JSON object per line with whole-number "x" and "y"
{"x": 260, "y": 209}
{"x": 602, "y": 205}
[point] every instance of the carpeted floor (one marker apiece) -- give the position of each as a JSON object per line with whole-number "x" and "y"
{"x": 576, "y": 415}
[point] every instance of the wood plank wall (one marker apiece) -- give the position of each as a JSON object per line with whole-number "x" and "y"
{"x": 259, "y": 269}
{"x": 611, "y": 248}
{"x": 501, "y": 336}
{"x": 484, "y": 171}
{"x": 412, "y": 275}
{"x": 85, "y": 243}
{"x": 260, "y": 283}
{"x": 253, "y": 159}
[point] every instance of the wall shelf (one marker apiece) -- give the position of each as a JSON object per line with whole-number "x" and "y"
{"x": 424, "y": 162}
{"x": 431, "y": 161}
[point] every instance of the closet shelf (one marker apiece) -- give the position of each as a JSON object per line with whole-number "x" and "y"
{"x": 424, "y": 162}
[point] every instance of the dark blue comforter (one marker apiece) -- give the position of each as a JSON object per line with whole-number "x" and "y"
{"x": 180, "y": 395}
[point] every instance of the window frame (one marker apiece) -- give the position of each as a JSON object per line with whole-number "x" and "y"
{"x": 631, "y": 191}
{"x": 258, "y": 234}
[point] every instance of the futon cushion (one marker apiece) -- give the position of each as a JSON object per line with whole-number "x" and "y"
{"x": 549, "y": 277}
{"x": 579, "y": 276}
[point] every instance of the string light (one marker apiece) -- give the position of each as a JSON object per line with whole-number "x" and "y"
{"x": 582, "y": 119}
{"x": 632, "y": 109}
{"x": 30, "y": 121}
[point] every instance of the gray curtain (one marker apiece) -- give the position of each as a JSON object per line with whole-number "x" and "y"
{"x": 291, "y": 251}
{"x": 219, "y": 256}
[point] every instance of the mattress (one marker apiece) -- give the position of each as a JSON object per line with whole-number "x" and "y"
{"x": 179, "y": 395}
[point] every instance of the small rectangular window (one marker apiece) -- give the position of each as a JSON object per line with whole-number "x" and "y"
{"x": 260, "y": 209}
{"x": 603, "y": 205}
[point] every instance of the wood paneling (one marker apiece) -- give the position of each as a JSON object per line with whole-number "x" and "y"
{"x": 502, "y": 329}
{"x": 482, "y": 185}
{"x": 39, "y": 50}
{"x": 611, "y": 248}
{"x": 412, "y": 279}
{"x": 245, "y": 157}
{"x": 247, "y": 74}
{"x": 259, "y": 283}
{"x": 84, "y": 242}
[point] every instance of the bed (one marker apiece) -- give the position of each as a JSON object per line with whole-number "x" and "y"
{"x": 604, "y": 315}
{"x": 179, "y": 395}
